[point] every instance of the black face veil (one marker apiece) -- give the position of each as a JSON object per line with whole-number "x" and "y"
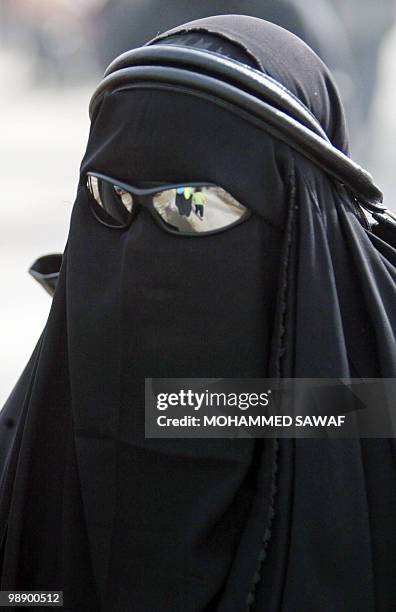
{"x": 300, "y": 289}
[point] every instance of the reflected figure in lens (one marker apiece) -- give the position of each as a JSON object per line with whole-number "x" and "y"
{"x": 180, "y": 201}
{"x": 183, "y": 201}
{"x": 187, "y": 202}
{"x": 199, "y": 200}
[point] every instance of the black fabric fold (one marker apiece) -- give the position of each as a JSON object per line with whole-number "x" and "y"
{"x": 301, "y": 289}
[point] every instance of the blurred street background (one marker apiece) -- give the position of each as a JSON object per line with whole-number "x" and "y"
{"x": 52, "y": 54}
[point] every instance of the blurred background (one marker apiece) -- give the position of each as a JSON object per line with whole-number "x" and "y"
{"x": 52, "y": 54}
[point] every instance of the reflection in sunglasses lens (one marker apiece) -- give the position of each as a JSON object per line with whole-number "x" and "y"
{"x": 198, "y": 209}
{"x": 185, "y": 209}
{"x": 114, "y": 203}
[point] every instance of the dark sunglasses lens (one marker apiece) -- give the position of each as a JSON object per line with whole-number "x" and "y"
{"x": 114, "y": 205}
{"x": 196, "y": 210}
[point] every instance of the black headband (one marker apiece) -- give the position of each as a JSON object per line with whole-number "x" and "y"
{"x": 283, "y": 115}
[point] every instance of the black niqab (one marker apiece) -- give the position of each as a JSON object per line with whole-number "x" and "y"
{"x": 300, "y": 289}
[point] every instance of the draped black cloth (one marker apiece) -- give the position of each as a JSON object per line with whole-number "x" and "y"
{"x": 301, "y": 289}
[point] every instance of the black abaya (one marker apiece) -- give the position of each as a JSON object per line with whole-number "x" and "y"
{"x": 302, "y": 288}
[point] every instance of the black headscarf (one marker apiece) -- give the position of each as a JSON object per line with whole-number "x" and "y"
{"x": 301, "y": 289}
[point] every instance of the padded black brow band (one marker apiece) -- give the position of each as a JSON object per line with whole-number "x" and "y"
{"x": 283, "y": 124}
{"x": 226, "y": 69}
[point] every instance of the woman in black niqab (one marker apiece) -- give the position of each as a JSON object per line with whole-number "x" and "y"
{"x": 300, "y": 289}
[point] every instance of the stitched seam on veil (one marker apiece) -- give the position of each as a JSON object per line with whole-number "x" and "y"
{"x": 280, "y": 350}
{"x": 267, "y": 532}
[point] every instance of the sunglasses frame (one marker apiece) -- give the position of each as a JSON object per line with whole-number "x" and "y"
{"x": 144, "y": 200}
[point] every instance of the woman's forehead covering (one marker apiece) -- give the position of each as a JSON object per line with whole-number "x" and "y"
{"x": 168, "y": 135}
{"x": 286, "y": 58}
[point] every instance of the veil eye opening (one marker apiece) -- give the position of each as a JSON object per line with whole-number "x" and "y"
{"x": 185, "y": 209}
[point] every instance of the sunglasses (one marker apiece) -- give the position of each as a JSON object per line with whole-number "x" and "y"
{"x": 188, "y": 209}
